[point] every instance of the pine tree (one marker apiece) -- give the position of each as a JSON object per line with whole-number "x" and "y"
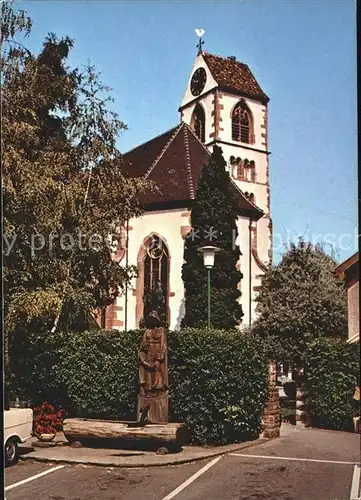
{"x": 213, "y": 221}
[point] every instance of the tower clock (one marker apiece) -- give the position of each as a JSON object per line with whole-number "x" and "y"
{"x": 198, "y": 81}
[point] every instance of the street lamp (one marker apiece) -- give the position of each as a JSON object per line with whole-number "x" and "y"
{"x": 208, "y": 260}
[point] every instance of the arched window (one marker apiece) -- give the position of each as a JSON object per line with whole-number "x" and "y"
{"x": 240, "y": 170}
{"x": 198, "y": 123}
{"x": 156, "y": 271}
{"x": 253, "y": 171}
{"x": 242, "y": 123}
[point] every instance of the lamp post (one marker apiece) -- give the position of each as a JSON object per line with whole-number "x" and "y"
{"x": 208, "y": 260}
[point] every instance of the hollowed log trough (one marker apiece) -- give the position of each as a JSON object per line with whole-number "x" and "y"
{"x": 125, "y": 434}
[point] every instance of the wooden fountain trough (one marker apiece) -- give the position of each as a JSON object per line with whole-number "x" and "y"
{"x": 125, "y": 433}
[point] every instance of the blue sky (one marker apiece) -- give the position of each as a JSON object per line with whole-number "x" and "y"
{"x": 303, "y": 54}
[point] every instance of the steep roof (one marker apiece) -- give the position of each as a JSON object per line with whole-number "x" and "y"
{"x": 248, "y": 208}
{"x": 174, "y": 161}
{"x": 347, "y": 264}
{"x": 231, "y": 74}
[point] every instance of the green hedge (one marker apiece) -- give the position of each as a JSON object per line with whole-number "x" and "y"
{"x": 99, "y": 370}
{"x": 218, "y": 379}
{"x": 332, "y": 373}
{"x": 90, "y": 374}
{"x": 33, "y": 361}
{"x": 218, "y": 384}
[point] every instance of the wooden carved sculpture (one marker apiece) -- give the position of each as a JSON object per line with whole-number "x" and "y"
{"x": 153, "y": 371}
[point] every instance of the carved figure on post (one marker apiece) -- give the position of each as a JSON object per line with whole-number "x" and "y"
{"x": 153, "y": 371}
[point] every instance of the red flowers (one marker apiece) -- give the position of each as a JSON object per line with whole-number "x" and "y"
{"x": 47, "y": 420}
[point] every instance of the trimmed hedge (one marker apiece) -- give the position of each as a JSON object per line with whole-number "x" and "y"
{"x": 91, "y": 374}
{"x": 218, "y": 384}
{"x": 218, "y": 379}
{"x": 33, "y": 361}
{"x": 99, "y": 370}
{"x": 332, "y": 370}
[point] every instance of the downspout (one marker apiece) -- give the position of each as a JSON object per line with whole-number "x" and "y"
{"x": 103, "y": 317}
{"x": 250, "y": 272}
{"x": 126, "y": 285}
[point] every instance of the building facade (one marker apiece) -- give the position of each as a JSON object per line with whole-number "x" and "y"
{"x": 349, "y": 270}
{"x": 223, "y": 105}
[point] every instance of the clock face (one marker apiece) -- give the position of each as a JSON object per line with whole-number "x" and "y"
{"x": 198, "y": 81}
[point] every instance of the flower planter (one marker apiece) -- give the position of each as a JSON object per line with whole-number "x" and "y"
{"x": 47, "y": 422}
{"x": 46, "y": 437}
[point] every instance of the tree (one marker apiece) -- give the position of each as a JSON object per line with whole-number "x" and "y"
{"x": 65, "y": 196}
{"x": 213, "y": 221}
{"x": 301, "y": 299}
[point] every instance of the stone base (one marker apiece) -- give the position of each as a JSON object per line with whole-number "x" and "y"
{"x": 356, "y": 424}
{"x": 49, "y": 444}
{"x": 158, "y": 407}
{"x": 271, "y": 433}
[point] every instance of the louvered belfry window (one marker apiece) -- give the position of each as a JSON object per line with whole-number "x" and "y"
{"x": 241, "y": 123}
{"x": 199, "y": 123}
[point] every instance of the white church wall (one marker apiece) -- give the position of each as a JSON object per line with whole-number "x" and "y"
{"x": 264, "y": 242}
{"x": 167, "y": 224}
{"x": 253, "y": 270}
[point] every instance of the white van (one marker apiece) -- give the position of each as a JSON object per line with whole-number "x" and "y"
{"x": 18, "y": 425}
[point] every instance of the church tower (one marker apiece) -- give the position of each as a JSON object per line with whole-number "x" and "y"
{"x": 225, "y": 106}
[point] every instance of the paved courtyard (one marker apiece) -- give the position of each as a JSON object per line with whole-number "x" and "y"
{"x": 302, "y": 464}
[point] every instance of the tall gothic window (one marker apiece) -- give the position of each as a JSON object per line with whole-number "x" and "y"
{"x": 156, "y": 271}
{"x": 242, "y": 123}
{"x": 198, "y": 123}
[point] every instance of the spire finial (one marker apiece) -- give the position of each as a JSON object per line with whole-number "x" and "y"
{"x": 200, "y": 32}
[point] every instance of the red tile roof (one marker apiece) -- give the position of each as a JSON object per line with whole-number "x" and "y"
{"x": 174, "y": 161}
{"x": 233, "y": 75}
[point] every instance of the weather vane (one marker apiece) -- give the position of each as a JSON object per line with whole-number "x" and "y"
{"x": 200, "y": 33}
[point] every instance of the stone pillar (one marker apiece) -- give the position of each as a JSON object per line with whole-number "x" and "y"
{"x": 302, "y": 414}
{"x": 271, "y": 421}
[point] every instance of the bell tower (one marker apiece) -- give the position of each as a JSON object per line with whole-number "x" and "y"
{"x": 225, "y": 106}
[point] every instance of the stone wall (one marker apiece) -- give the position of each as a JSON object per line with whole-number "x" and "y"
{"x": 271, "y": 421}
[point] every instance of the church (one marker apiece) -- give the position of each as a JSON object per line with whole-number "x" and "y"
{"x": 222, "y": 105}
